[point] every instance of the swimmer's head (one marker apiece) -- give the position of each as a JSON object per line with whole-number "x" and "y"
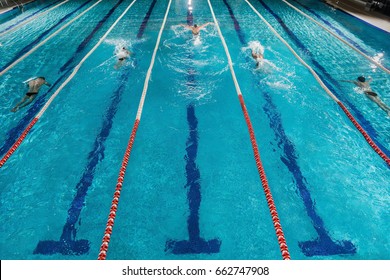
{"x": 123, "y": 48}
{"x": 195, "y": 25}
{"x": 43, "y": 78}
{"x": 361, "y": 79}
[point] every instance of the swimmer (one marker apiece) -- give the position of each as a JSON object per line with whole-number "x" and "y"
{"x": 258, "y": 57}
{"x": 122, "y": 54}
{"x": 364, "y": 85}
{"x": 195, "y": 28}
{"x": 33, "y": 87}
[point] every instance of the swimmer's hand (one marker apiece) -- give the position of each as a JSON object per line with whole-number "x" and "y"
{"x": 15, "y": 109}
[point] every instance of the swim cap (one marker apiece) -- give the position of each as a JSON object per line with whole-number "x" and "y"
{"x": 361, "y": 79}
{"x": 195, "y": 25}
{"x": 43, "y": 78}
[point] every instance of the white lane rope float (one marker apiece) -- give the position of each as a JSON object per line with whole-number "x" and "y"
{"x": 32, "y": 18}
{"x": 47, "y": 39}
{"x": 339, "y": 38}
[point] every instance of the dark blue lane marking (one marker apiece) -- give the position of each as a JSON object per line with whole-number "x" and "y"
{"x": 362, "y": 120}
{"x": 26, "y": 18}
{"x": 68, "y": 245}
{"x": 27, "y": 48}
{"x": 146, "y": 19}
{"x": 240, "y": 34}
{"x": 90, "y": 36}
{"x": 195, "y": 244}
{"x": 14, "y": 133}
{"x": 324, "y": 245}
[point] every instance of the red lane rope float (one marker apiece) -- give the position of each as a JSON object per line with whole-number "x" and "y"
{"x": 267, "y": 191}
{"x": 117, "y": 193}
{"x": 18, "y": 142}
{"x": 264, "y": 182}
{"x": 365, "y": 134}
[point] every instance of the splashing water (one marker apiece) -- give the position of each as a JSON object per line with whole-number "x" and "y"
{"x": 197, "y": 40}
{"x": 119, "y": 43}
{"x": 255, "y": 46}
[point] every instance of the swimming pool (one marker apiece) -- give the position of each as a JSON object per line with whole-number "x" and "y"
{"x": 192, "y": 188}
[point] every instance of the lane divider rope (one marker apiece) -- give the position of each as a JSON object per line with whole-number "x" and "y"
{"x": 339, "y": 38}
{"x": 327, "y": 90}
{"x": 47, "y": 104}
{"x": 32, "y": 18}
{"x": 365, "y": 134}
{"x": 114, "y": 205}
{"x": 267, "y": 191}
{"x": 18, "y": 142}
{"x": 47, "y": 39}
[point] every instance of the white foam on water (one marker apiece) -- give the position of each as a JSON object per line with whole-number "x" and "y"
{"x": 255, "y": 46}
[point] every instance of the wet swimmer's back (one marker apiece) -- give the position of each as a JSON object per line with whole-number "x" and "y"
{"x": 122, "y": 54}
{"x": 195, "y": 29}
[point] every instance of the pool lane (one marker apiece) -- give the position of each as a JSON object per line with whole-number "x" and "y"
{"x": 32, "y": 16}
{"x": 67, "y": 243}
{"x": 114, "y": 206}
{"x": 13, "y": 47}
{"x": 195, "y": 243}
{"x": 330, "y": 82}
{"x": 65, "y": 70}
{"x": 324, "y": 245}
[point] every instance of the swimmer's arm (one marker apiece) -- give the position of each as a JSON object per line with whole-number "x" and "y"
{"x": 48, "y": 84}
{"x": 356, "y": 83}
{"x": 351, "y": 81}
{"x": 185, "y": 26}
{"x": 204, "y": 25}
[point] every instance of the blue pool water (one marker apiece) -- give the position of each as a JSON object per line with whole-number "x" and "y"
{"x": 192, "y": 189}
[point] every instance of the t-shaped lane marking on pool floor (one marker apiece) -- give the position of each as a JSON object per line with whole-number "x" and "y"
{"x": 195, "y": 244}
{"x": 68, "y": 245}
